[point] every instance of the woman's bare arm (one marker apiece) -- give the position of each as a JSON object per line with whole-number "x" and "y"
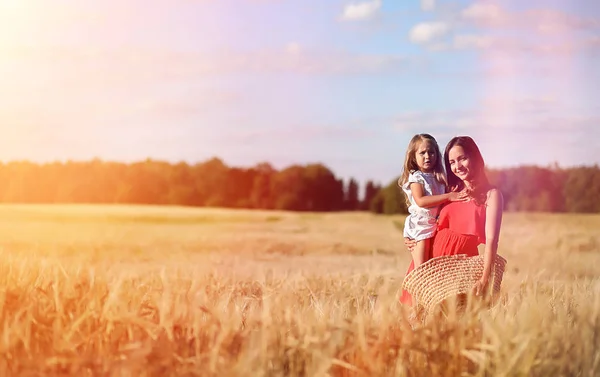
{"x": 493, "y": 222}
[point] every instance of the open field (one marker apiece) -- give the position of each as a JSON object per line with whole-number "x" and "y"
{"x": 162, "y": 291}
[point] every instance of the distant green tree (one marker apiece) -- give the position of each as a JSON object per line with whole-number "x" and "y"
{"x": 377, "y": 202}
{"x": 530, "y": 188}
{"x": 371, "y": 191}
{"x": 289, "y": 189}
{"x": 209, "y": 180}
{"x": 582, "y": 190}
{"x": 394, "y": 200}
{"x": 351, "y": 201}
{"x": 324, "y": 192}
{"x": 238, "y": 187}
{"x": 260, "y": 194}
{"x": 181, "y": 189}
{"x": 312, "y": 187}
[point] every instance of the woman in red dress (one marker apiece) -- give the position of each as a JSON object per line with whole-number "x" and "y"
{"x": 462, "y": 226}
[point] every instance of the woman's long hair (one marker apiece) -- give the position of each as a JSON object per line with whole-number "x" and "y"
{"x": 410, "y": 161}
{"x": 480, "y": 184}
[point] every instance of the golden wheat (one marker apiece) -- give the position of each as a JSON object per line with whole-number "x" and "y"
{"x": 150, "y": 291}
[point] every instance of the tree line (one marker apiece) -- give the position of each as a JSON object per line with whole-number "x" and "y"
{"x": 311, "y": 187}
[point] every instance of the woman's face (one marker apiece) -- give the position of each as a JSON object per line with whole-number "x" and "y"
{"x": 460, "y": 164}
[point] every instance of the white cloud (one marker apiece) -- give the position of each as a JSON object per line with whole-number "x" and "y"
{"x": 541, "y": 129}
{"x": 552, "y": 21}
{"x": 503, "y": 114}
{"x": 428, "y": 5}
{"x": 543, "y": 21}
{"x": 469, "y": 41}
{"x": 361, "y": 11}
{"x": 492, "y": 27}
{"x": 293, "y": 48}
{"x": 100, "y": 70}
{"x": 484, "y": 12}
{"x": 593, "y": 42}
{"x": 510, "y": 45}
{"x": 426, "y": 32}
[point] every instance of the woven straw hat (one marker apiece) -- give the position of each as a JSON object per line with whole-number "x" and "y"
{"x": 443, "y": 277}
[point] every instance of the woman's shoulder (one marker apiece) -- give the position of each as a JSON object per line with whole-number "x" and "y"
{"x": 493, "y": 190}
{"x": 494, "y": 195}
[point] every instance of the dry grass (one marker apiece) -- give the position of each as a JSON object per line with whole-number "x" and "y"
{"x": 130, "y": 291}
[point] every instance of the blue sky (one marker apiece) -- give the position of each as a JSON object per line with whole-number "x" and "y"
{"x": 346, "y": 83}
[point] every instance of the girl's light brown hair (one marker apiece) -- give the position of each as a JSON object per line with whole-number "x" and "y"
{"x": 410, "y": 161}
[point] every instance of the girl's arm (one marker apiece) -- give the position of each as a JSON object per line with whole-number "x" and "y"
{"x": 425, "y": 201}
{"x": 493, "y": 221}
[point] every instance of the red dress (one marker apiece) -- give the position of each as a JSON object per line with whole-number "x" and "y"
{"x": 461, "y": 228}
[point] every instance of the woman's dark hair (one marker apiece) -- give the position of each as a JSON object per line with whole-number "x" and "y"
{"x": 480, "y": 181}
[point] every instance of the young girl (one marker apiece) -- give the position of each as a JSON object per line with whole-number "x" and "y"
{"x": 424, "y": 183}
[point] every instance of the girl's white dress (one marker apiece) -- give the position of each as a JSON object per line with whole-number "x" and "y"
{"x": 421, "y": 222}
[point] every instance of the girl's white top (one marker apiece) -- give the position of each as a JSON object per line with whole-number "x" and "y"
{"x": 421, "y": 222}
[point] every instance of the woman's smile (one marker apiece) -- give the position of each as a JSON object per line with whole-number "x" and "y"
{"x": 459, "y": 162}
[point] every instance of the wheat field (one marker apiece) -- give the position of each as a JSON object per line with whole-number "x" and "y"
{"x": 169, "y": 291}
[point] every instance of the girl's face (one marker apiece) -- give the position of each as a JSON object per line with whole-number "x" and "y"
{"x": 426, "y": 156}
{"x": 460, "y": 163}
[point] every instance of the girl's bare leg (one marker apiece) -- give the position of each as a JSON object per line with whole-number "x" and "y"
{"x": 420, "y": 255}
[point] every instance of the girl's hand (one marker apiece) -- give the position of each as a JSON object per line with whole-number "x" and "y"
{"x": 458, "y": 196}
{"x": 409, "y": 243}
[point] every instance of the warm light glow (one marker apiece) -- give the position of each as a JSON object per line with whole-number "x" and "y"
{"x": 15, "y": 14}
{"x": 7, "y": 5}
{"x": 198, "y": 79}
